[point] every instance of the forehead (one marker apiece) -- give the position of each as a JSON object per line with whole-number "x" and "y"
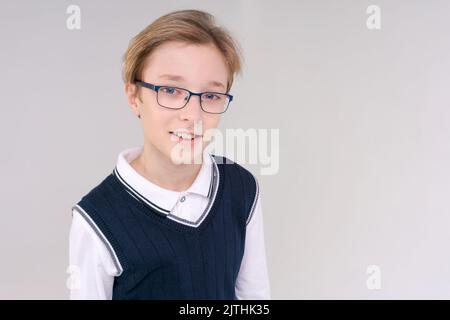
{"x": 193, "y": 64}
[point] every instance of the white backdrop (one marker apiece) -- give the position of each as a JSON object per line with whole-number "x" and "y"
{"x": 363, "y": 119}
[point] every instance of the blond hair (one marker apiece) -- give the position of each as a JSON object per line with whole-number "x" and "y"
{"x": 191, "y": 26}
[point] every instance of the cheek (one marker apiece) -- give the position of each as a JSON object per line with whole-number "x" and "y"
{"x": 211, "y": 121}
{"x": 157, "y": 121}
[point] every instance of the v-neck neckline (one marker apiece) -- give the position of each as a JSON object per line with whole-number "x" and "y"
{"x": 170, "y": 220}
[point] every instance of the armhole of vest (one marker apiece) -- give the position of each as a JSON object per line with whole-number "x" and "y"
{"x": 100, "y": 234}
{"x": 255, "y": 200}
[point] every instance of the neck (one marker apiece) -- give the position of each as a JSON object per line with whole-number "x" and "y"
{"x": 160, "y": 170}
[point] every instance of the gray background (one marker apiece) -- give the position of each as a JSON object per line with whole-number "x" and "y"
{"x": 364, "y": 145}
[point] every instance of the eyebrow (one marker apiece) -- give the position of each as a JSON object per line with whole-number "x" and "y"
{"x": 180, "y": 78}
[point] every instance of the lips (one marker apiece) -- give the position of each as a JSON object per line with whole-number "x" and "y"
{"x": 184, "y": 136}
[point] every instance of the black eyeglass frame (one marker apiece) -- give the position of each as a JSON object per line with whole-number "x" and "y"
{"x": 157, "y": 88}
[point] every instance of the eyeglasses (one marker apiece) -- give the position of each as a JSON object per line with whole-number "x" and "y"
{"x": 177, "y": 98}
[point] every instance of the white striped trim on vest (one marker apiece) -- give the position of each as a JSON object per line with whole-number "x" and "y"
{"x": 254, "y": 200}
{"x": 100, "y": 234}
{"x": 213, "y": 186}
{"x": 212, "y": 189}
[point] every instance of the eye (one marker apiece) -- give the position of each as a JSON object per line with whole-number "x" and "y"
{"x": 210, "y": 96}
{"x": 170, "y": 90}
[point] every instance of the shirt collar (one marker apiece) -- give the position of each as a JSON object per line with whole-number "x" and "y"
{"x": 156, "y": 195}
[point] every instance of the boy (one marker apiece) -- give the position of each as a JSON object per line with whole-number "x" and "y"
{"x": 158, "y": 227}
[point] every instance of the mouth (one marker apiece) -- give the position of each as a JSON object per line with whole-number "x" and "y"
{"x": 184, "y": 137}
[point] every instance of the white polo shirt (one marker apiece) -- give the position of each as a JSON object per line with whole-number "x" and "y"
{"x": 95, "y": 268}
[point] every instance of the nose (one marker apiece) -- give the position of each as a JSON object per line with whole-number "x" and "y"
{"x": 192, "y": 110}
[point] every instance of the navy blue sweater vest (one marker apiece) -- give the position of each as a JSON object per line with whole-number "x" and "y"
{"x": 160, "y": 258}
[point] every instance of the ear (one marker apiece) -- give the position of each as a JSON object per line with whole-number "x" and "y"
{"x": 132, "y": 97}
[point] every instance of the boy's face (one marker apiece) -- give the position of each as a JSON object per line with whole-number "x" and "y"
{"x": 190, "y": 66}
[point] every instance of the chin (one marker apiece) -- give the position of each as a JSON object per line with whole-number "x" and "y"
{"x": 181, "y": 154}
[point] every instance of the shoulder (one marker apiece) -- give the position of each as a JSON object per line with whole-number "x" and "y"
{"x": 99, "y": 188}
{"x": 100, "y": 210}
{"x": 99, "y": 206}
{"x": 100, "y": 199}
{"x": 234, "y": 167}
{"x": 244, "y": 183}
